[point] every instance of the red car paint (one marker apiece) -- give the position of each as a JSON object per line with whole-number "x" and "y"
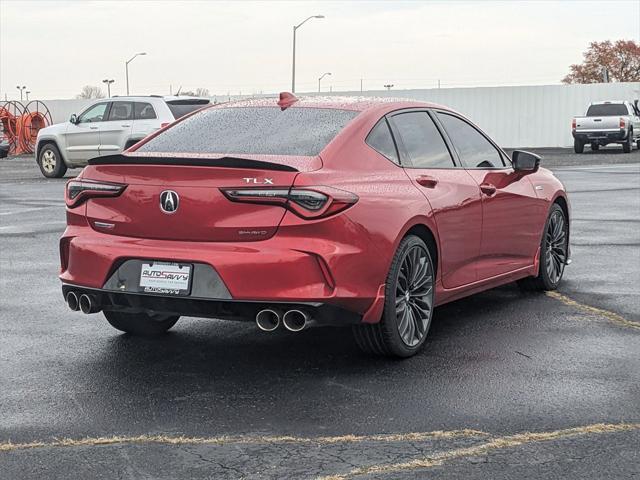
{"x": 487, "y": 223}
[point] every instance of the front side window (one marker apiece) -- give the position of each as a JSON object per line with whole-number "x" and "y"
{"x": 93, "y": 114}
{"x": 121, "y": 111}
{"x": 143, "y": 111}
{"x": 381, "y": 141}
{"x": 253, "y": 130}
{"x": 474, "y": 149}
{"x": 422, "y": 141}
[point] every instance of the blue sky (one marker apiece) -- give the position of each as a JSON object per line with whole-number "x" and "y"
{"x": 57, "y": 47}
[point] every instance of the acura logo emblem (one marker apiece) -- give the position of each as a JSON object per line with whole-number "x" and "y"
{"x": 169, "y": 201}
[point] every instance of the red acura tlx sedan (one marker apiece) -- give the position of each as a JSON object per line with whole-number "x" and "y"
{"x": 338, "y": 211}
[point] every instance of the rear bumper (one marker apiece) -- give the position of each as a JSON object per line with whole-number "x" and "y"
{"x": 284, "y": 272}
{"x": 225, "y": 309}
{"x": 601, "y": 137}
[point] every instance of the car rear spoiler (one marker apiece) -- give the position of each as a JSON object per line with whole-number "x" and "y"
{"x": 222, "y": 162}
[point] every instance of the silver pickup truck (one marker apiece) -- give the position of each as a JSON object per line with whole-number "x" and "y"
{"x": 614, "y": 121}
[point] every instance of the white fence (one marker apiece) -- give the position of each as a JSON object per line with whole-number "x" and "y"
{"x": 530, "y": 116}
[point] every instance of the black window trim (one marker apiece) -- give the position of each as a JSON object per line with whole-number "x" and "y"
{"x": 405, "y": 159}
{"x": 395, "y": 144}
{"x": 501, "y": 152}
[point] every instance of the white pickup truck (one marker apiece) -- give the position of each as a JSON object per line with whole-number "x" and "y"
{"x": 614, "y": 121}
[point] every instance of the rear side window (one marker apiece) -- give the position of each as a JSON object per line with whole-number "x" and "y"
{"x": 143, "y": 111}
{"x": 253, "y": 130}
{"x": 422, "y": 141}
{"x": 180, "y": 108}
{"x": 121, "y": 111}
{"x": 607, "y": 110}
{"x": 380, "y": 140}
{"x": 474, "y": 149}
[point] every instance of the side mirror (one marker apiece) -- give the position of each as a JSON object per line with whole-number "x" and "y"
{"x": 74, "y": 119}
{"x": 525, "y": 161}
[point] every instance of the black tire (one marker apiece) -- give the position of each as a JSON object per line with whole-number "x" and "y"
{"x": 140, "y": 324}
{"x": 595, "y": 147}
{"x": 554, "y": 248}
{"x": 628, "y": 144}
{"x": 408, "y": 306}
{"x": 50, "y": 161}
{"x": 578, "y": 146}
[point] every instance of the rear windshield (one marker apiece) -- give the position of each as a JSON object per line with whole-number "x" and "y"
{"x": 253, "y": 130}
{"x": 607, "y": 110}
{"x": 179, "y": 108}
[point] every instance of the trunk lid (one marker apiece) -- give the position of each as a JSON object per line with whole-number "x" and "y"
{"x": 202, "y": 212}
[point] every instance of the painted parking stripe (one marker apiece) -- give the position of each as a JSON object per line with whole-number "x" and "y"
{"x": 611, "y": 316}
{"x": 497, "y": 443}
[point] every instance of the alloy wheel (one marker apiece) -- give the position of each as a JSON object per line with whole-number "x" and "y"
{"x": 556, "y": 246}
{"x": 414, "y": 295}
{"x": 49, "y": 161}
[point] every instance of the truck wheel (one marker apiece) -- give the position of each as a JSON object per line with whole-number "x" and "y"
{"x": 578, "y": 146}
{"x": 50, "y": 161}
{"x": 628, "y": 144}
{"x": 595, "y": 147}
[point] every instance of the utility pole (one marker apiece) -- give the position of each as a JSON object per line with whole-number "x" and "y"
{"x": 320, "y": 79}
{"x": 126, "y": 67}
{"x": 360, "y": 85}
{"x": 293, "y": 63}
{"x": 21, "y": 89}
{"x": 108, "y": 82}
{"x": 27, "y": 92}
{"x": 438, "y": 83}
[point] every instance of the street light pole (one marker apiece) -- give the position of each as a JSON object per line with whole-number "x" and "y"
{"x": 27, "y": 92}
{"x": 293, "y": 63}
{"x": 320, "y": 79}
{"x": 21, "y": 89}
{"x": 126, "y": 67}
{"x": 108, "y": 82}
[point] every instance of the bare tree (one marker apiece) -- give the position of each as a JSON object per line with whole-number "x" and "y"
{"x": 199, "y": 92}
{"x": 89, "y": 92}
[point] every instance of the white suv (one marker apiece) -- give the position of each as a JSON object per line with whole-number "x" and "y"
{"x": 107, "y": 127}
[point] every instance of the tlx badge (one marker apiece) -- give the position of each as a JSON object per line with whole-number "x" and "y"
{"x": 257, "y": 181}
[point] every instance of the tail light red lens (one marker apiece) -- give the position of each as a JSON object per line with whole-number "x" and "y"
{"x": 307, "y": 202}
{"x": 78, "y": 191}
{"x": 623, "y": 123}
{"x": 573, "y": 124}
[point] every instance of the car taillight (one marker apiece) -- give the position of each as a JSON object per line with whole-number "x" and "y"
{"x": 623, "y": 123}
{"x": 164, "y": 124}
{"x": 78, "y": 191}
{"x": 306, "y": 202}
{"x": 573, "y": 124}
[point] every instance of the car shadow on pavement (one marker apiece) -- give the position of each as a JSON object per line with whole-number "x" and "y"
{"x": 202, "y": 352}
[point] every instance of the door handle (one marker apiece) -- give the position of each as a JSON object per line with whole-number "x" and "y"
{"x": 93, "y": 128}
{"x": 488, "y": 189}
{"x": 125, "y": 125}
{"x": 427, "y": 181}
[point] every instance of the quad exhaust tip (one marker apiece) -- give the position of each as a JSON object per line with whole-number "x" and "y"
{"x": 268, "y": 320}
{"x": 72, "y": 301}
{"x": 88, "y": 304}
{"x": 295, "y": 320}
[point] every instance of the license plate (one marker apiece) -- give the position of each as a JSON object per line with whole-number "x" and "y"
{"x": 165, "y": 278}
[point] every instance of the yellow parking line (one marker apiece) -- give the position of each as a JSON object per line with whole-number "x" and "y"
{"x": 182, "y": 440}
{"x": 611, "y": 316}
{"x": 495, "y": 444}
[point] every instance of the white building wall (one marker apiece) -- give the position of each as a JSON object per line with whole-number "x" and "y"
{"x": 525, "y": 116}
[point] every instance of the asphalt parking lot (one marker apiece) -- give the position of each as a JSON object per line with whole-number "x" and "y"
{"x": 510, "y": 385}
